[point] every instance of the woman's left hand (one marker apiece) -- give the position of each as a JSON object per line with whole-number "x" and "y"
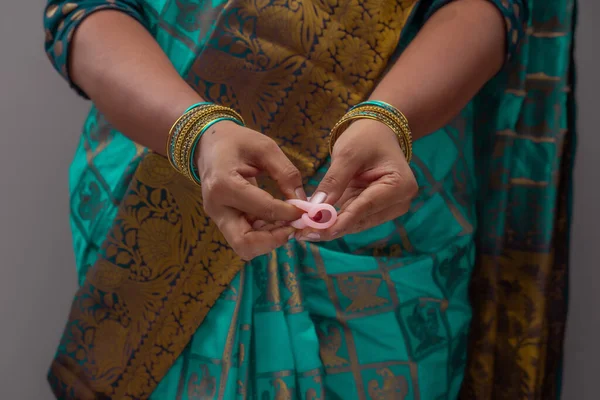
{"x": 369, "y": 180}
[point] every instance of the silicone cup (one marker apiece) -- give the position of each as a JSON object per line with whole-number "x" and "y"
{"x": 328, "y": 213}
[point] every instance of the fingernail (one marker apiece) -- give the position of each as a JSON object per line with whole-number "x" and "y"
{"x": 318, "y": 198}
{"x": 300, "y": 194}
{"x": 335, "y": 234}
{"x": 311, "y": 236}
{"x": 291, "y": 236}
{"x": 258, "y": 224}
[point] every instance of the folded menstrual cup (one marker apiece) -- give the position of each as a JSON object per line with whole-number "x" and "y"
{"x": 316, "y": 216}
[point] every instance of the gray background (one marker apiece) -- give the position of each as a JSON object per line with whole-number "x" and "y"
{"x": 40, "y": 121}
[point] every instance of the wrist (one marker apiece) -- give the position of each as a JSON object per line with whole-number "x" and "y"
{"x": 375, "y": 130}
{"x": 187, "y": 132}
{"x": 217, "y": 131}
{"x": 370, "y": 116}
{"x": 366, "y": 136}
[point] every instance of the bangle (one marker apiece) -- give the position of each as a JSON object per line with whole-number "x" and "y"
{"x": 406, "y": 131}
{"x": 186, "y": 155}
{"x": 192, "y": 168}
{"x": 378, "y": 111}
{"x": 187, "y": 131}
{"x": 177, "y": 128}
{"x": 201, "y": 104}
{"x": 186, "y": 125}
{"x": 184, "y": 141}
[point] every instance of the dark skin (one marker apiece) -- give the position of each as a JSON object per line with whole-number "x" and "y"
{"x": 133, "y": 83}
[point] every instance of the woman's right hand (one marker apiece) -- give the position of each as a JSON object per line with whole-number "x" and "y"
{"x": 229, "y": 158}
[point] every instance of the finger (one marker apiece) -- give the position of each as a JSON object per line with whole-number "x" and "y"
{"x": 392, "y": 188}
{"x": 370, "y": 201}
{"x": 349, "y": 195}
{"x": 253, "y": 220}
{"x": 260, "y": 225}
{"x": 390, "y": 196}
{"x": 348, "y": 223}
{"x": 335, "y": 181}
{"x": 257, "y": 224}
{"x": 236, "y": 192}
{"x": 246, "y": 242}
{"x": 269, "y": 226}
{"x": 270, "y": 158}
{"x": 374, "y": 199}
{"x": 389, "y": 191}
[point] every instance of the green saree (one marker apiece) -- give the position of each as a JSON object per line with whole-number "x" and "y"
{"x": 166, "y": 310}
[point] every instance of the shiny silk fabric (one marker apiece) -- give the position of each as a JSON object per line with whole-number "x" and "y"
{"x": 166, "y": 309}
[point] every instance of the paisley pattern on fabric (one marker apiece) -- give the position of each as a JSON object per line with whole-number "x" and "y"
{"x": 166, "y": 310}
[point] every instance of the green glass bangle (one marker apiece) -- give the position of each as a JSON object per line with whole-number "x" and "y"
{"x": 203, "y": 103}
{"x": 377, "y": 103}
{"x": 193, "y": 167}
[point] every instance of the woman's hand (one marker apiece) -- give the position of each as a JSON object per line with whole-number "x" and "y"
{"x": 369, "y": 179}
{"x": 229, "y": 158}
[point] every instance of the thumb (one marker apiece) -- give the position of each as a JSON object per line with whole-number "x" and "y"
{"x": 335, "y": 181}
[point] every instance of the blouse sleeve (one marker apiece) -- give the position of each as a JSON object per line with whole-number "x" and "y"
{"x": 515, "y": 14}
{"x": 62, "y": 18}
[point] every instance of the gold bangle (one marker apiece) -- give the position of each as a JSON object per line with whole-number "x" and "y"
{"x": 379, "y": 111}
{"x": 373, "y": 112}
{"x": 399, "y": 120}
{"x": 191, "y": 137}
{"x": 347, "y": 120}
{"x": 186, "y": 131}
{"x": 185, "y": 138}
{"x": 400, "y": 124}
{"x": 176, "y": 129}
{"x": 176, "y": 132}
{"x": 198, "y": 124}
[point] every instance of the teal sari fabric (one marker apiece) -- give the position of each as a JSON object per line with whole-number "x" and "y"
{"x": 385, "y": 314}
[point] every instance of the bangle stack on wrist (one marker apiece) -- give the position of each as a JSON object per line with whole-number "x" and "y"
{"x": 187, "y": 132}
{"x": 378, "y": 111}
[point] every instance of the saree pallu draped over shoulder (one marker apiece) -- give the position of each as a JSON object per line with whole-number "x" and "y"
{"x": 167, "y": 310}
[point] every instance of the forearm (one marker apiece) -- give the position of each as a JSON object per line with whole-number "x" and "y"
{"x": 457, "y": 51}
{"x": 119, "y": 65}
